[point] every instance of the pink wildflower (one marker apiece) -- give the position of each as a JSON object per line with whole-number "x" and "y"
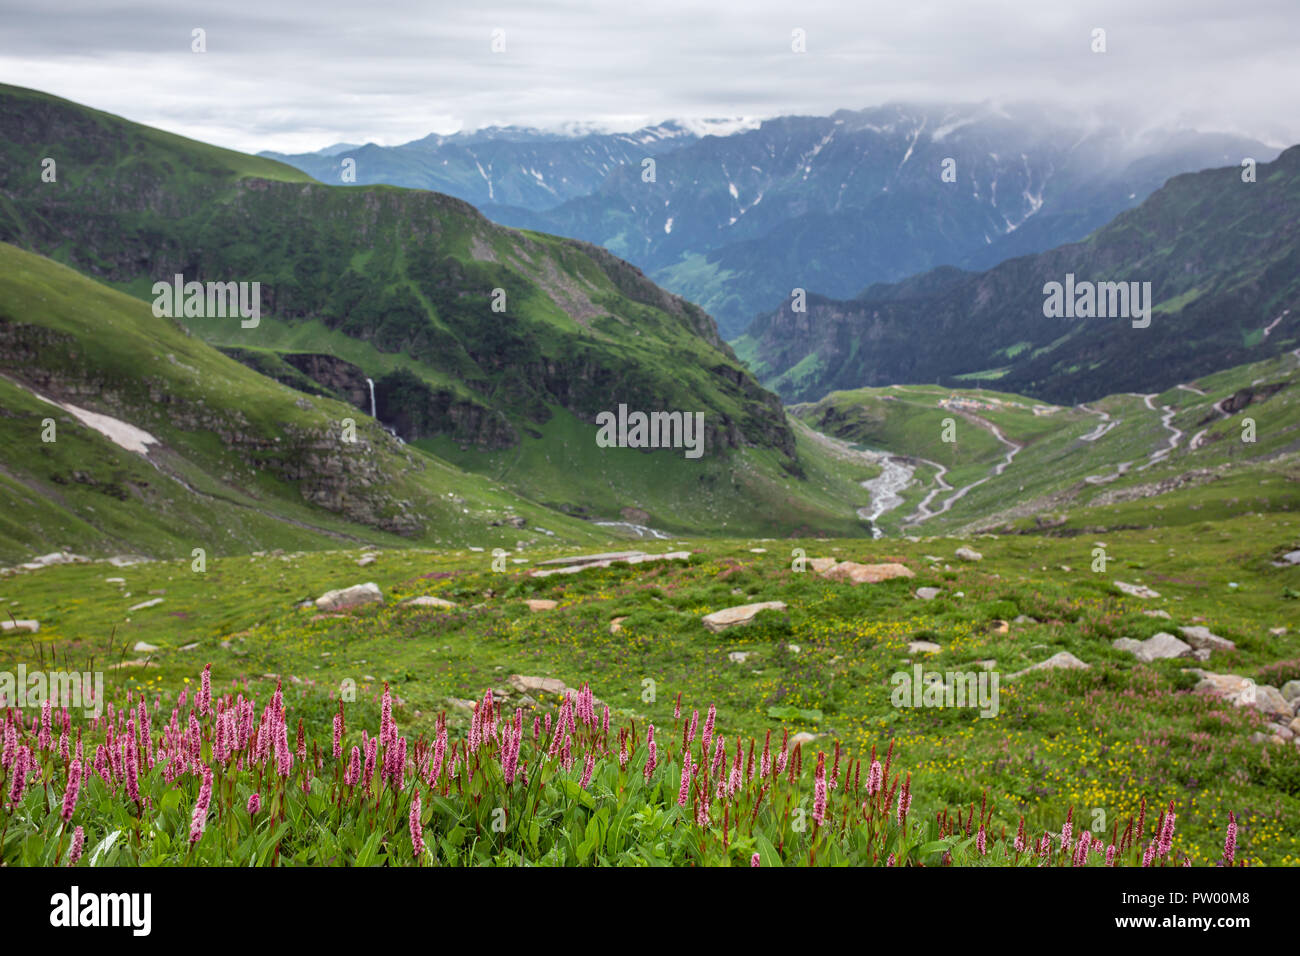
{"x": 78, "y": 845}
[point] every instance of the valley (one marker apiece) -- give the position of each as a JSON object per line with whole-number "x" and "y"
{"x": 437, "y": 477}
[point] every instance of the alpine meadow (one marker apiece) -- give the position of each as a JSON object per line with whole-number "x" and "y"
{"x": 570, "y": 436}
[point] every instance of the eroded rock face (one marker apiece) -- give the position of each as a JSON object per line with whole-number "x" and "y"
{"x": 355, "y": 596}
{"x": 742, "y": 614}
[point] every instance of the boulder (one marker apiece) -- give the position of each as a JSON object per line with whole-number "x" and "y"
{"x": 536, "y": 685}
{"x": 19, "y": 627}
{"x": 1162, "y": 646}
{"x": 1291, "y": 690}
{"x": 799, "y": 740}
{"x": 1060, "y": 661}
{"x": 428, "y": 600}
{"x": 1201, "y": 639}
{"x": 1137, "y": 590}
{"x": 365, "y": 560}
{"x": 541, "y": 604}
{"x": 1243, "y": 692}
{"x": 1158, "y": 613}
{"x": 1126, "y": 644}
{"x": 928, "y": 594}
{"x": 142, "y": 648}
{"x": 741, "y": 614}
{"x": 923, "y": 647}
{"x": 821, "y": 565}
{"x": 969, "y": 554}
{"x": 856, "y": 573}
{"x": 738, "y": 657}
{"x": 355, "y": 596}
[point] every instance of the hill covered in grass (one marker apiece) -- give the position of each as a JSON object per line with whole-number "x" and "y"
{"x": 979, "y": 459}
{"x": 481, "y": 342}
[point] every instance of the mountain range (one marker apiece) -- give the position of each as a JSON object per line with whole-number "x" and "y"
{"x": 828, "y": 204}
{"x": 1219, "y": 249}
{"x": 490, "y": 351}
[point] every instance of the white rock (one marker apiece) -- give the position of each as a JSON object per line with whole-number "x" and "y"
{"x": 1201, "y": 638}
{"x": 741, "y": 614}
{"x": 428, "y": 600}
{"x": 1061, "y": 661}
{"x": 144, "y": 604}
{"x": 354, "y": 596}
{"x": 1137, "y": 590}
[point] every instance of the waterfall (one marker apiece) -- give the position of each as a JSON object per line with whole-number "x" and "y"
{"x": 371, "y": 383}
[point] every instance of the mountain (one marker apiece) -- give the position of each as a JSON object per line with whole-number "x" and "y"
{"x": 126, "y": 434}
{"x": 833, "y": 204}
{"x": 514, "y": 166}
{"x": 1222, "y": 257}
{"x": 488, "y": 347}
{"x": 828, "y": 204}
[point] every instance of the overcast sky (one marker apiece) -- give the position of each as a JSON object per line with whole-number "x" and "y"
{"x": 297, "y": 75}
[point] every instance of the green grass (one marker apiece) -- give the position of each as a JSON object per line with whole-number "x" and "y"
{"x": 1096, "y": 740}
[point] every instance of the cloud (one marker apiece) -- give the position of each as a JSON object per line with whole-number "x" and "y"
{"x": 302, "y": 74}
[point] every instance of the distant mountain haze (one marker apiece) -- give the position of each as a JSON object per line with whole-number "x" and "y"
{"x": 828, "y": 204}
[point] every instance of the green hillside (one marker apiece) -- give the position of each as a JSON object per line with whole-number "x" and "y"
{"x": 240, "y": 462}
{"x": 1119, "y": 461}
{"x": 480, "y": 340}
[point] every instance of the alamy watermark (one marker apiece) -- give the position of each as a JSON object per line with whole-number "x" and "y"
{"x": 922, "y": 688}
{"x": 1099, "y": 300}
{"x": 73, "y": 690}
{"x": 208, "y": 300}
{"x": 652, "y": 430}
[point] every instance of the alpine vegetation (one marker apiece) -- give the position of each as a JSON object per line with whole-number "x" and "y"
{"x": 651, "y": 430}
{"x": 221, "y": 779}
